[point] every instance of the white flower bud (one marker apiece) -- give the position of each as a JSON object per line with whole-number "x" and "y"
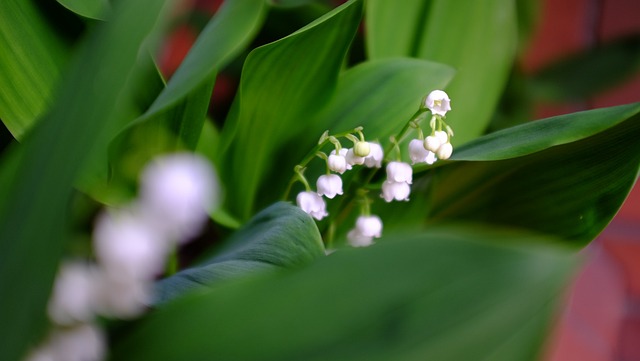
{"x": 312, "y": 204}
{"x": 399, "y": 172}
{"x": 374, "y": 159}
{"x": 356, "y": 239}
{"x": 343, "y": 153}
{"x": 417, "y": 153}
{"x": 74, "y": 294}
{"x": 442, "y": 136}
{"x": 438, "y": 102}
{"x": 337, "y": 163}
{"x": 445, "y": 151}
{"x": 394, "y": 190}
{"x": 369, "y": 226}
{"x": 329, "y": 185}
{"x": 353, "y": 159}
{"x": 432, "y": 143}
{"x": 362, "y": 149}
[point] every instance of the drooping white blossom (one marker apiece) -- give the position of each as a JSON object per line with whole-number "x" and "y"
{"x": 343, "y": 153}
{"x": 395, "y": 190}
{"x": 445, "y": 151}
{"x": 337, "y": 163}
{"x": 442, "y": 136}
{"x": 369, "y": 226}
{"x": 123, "y": 297}
{"x": 181, "y": 189}
{"x": 376, "y": 154}
{"x": 312, "y": 204}
{"x": 74, "y": 294}
{"x": 432, "y": 143}
{"x": 354, "y": 159}
{"x": 431, "y": 158}
{"x": 82, "y": 342}
{"x": 438, "y": 102}
{"x": 356, "y": 239}
{"x": 399, "y": 172}
{"x": 329, "y": 185}
{"x": 417, "y": 153}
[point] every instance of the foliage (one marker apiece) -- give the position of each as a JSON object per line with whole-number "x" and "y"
{"x": 470, "y": 268}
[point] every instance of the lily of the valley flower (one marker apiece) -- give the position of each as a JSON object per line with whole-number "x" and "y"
{"x": 353, "y": 159}
{"x": 445, "y": 151}
{"x": 343, "y": 154}
{"x": 329, "y": 185}
{"x": 312, "y": 204}
{"x": 398, "y": 191}
{"x": 370, "y": 226}
{"x": 73, "y": 297}
{"x": 438, "y": 102}
{"x": 374, "y": 159}
{"x": 432, "y": 143}
{"x": 399, "y": 172}
{"x": 419, "y": 154}
{"x": 337, "y": 163}
{"x": 356, "y": 239}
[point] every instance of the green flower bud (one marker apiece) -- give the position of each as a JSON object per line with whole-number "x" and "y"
{"x": 362, "y": 149}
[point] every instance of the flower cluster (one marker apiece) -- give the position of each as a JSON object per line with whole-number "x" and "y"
{"x": 397, "y": 185}
{"x": 131, "y": 245}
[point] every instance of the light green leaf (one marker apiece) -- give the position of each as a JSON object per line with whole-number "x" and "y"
{"x": 281, "y": 236}
{"x": 477, "y": 38}
{"x": 33, "y": 205}
{"x": 281, "y": 88}
{"x": 31, "y": 61}
{"x": 442, "y": 295}
{"x": 568, "y": 176}
{"x": 93, "y": 9}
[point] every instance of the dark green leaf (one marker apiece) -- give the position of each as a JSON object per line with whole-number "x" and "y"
{"x": 33, "y": 204}
{"x": 589, "y": 72}
{"x": 31, "y": 61}
{"x": 569, "y": 175}
{"x": 282, "y": 86}
{"x": 93, "y": 9}
{"x": 281, "y": 236}
{"x": 434, "y": 296}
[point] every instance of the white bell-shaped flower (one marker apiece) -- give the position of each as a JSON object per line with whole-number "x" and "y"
{"x": 337, "y": 163}
{"x": 329, "y": 185}
{"x": 78, "y": 343}
{"x": 376, "y": 154}
{"x": 181, "y": 189}
{"x": 432, "y": 143}
{"x": 353, "y": 159}
{"x": 395, "y": 190}
{"x": 356, "y": 239}
{"x": 369, "y": 226}
{"x": 312, "y": 204}
{"x": 342, "y": 153}
{"x": 442, "y": 136}
{"x": 130, "y": 244}
{"x": 123, "y": 297}
{"x": 438, "y": 102}
{"x": 74, "y": 294}
{"x": 399, "y": 172}
{"x": 417, "y": 153}
{"x": 445, "y": 151}
{"x": 431, "y": 158}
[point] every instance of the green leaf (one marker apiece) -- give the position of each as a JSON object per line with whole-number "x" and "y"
{"x": 281, "y": 87}
{"x": 442, "y": 295}
{"x": 568, "y": 175}
{"x": 33, "y": 204}
{"x": 588, "y": 73}
{"x": 380, "y": 95}
{"x": 31, "y": 61}
{"x": 289, "y": 3}
{"x": 477, "y": 38}
{"x": 281, "y": 236}
{"x": 93, "y": 9}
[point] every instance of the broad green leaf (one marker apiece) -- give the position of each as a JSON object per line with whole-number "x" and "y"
{"x": 589, "y": 72}
{"x": 443, "y": 295}
{"x": 31, "y": 61}
{"x": 477, "y": 38}
{"x": 289, "y": 3}
{"x": 380, "y": 95}
{"x": 566, "y": 175}
{"x": 93, "y": 9}
{"x": 33, "y": 204}
{"x": 282, "y": 86}
{"x": 281, "y": 236}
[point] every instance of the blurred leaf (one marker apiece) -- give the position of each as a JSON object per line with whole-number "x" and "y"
{"x": 589, "y": 72}
{"x": 281, "y": 236}
{"x": 33, "y": 204}
{"x": 31, "y": 60}
{"x": 281, "y": 87}
{"x": 568, "y": 177}
{"x": 432, "y": 296}
{"x": 289, "y": 3}
{"x": 477, "y": 38}
{"x": 93, "y": 9}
